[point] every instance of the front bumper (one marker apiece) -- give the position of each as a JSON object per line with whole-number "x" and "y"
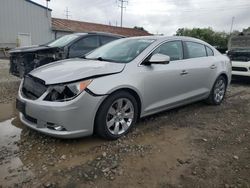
{"x": 76, "y": 116}
{"x": 240, "y": 68}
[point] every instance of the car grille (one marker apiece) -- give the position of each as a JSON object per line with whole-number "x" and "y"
{"x": 240, "y": 58}
{"x": 33, "y": 87}
{"x": 242, "y": 69}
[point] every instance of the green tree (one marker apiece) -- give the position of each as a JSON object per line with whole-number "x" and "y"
{"x": 217, "y": 39}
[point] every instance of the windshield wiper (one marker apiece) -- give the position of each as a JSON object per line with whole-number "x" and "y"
{"x": 99, "y": 59}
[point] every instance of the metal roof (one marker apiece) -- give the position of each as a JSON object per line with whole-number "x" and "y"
{"x": 59, "y": 24}
{"x": 38, "y": 5}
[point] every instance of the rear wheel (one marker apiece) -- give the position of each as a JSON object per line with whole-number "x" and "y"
{"x": 116, "y": 116}
{"x": 218, "y": 92}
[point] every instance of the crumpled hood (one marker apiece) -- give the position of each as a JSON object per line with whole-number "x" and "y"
{"x": 30, "y": 49}
{"x": 75, "y": 69}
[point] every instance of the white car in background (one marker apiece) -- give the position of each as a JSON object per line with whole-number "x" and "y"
{"x": 239, "y": 53}
{"x": 241, "y": 68}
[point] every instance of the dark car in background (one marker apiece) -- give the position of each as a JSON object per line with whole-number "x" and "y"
{"x": 25, "y": 59}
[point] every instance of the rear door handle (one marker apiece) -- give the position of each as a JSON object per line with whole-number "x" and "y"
{"x": 213, "y": 66}
{"x": 184, "y": 72}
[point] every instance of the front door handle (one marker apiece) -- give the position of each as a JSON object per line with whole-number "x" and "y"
{"x": 184, "y": 72}
{"x": 213, "y": 66}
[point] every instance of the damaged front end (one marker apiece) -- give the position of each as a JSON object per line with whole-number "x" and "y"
{"x": 21, "y": 63}
{"x": 239, "y": 55}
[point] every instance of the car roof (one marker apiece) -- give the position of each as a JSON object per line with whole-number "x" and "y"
{"x": 99, "y": 33}
{"x": 165, "y": 38}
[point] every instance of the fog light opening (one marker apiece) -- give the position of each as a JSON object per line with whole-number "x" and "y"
{"x": 55, "y": 127}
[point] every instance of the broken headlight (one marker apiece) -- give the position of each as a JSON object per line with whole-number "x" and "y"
{"x": 66, "y": 92}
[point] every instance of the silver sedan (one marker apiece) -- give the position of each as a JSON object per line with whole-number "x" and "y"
{"x": 106, "y": 91}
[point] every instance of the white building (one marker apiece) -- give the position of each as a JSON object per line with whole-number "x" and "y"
{"x": 24, "y": 23}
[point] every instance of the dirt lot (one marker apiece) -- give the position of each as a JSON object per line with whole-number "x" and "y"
{"x": 193, "y": 146}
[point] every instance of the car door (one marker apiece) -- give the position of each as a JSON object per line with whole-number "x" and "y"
{"x": 201, "y": 64}
{"x": 83, "y": 46}
{"x": 166, "y": 85}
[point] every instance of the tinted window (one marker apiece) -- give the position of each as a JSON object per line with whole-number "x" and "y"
{"x": 195, "y": 50}
{"x": 62, "y": 41}
{"x": 172, "y": 49}
{"x": 209, "y": 51}
{"x": 87, "y": 43}
{"x": 107, "y": 39}
{"x": 83, "y": 46}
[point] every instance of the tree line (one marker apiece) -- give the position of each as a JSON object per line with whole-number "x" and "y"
{"x": 215, "y": 38}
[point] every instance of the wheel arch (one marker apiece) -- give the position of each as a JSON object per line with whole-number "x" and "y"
{"x": 225, "y": 76}
{"x": 135, "y": 95}
{"x": 130, "y": 91}
{"x": 126, "y": 89}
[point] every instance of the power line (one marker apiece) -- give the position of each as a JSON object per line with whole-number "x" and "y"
{"x": 47, "y": 6}
{"x": 194, "y": 1}
{"x": 122, "y": 6}
{"x": 194, "y": 10}
{"x": 231, "y": 29}
{"x": 67, "y": 13}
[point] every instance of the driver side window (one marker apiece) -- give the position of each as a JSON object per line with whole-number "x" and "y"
{"x": 172, "y": 49}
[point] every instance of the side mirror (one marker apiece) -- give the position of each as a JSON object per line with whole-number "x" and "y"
{"x": 159, "y": 59}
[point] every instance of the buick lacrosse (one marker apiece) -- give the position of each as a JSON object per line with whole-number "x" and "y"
{"x": 106, "y": 91}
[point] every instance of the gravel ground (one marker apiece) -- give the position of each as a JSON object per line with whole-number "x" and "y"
{"x": 193, "y": 146}
{"x": 8, "y": 83}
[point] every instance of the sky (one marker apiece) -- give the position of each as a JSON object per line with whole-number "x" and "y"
{"x": 158, "y": 16}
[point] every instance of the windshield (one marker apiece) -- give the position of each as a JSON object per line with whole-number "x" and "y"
{"x": 62, "y": 41}
{"x": 120, "y": 51}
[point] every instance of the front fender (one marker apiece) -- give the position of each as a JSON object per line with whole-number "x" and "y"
{"x": 108, "y": 84}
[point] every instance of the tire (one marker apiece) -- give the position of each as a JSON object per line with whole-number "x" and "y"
{"x": 218, "y": 91}
{"x": 116, "y": 115}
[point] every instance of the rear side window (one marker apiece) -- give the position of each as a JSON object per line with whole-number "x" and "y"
{"x": 107, "y": 39}
{"x": 209, "y": 51}
{"x": 172, "y": 49}
{"x": 195, "y": 50}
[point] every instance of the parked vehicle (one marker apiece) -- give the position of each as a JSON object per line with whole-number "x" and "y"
{"x": 120, "y": 82}
{"x": 239, "y": 53}
{"x": 25, "y": 59}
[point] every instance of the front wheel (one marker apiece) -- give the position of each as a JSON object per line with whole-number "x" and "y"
{"x": 116, "y": 115}
{"x": 218, "y": 91}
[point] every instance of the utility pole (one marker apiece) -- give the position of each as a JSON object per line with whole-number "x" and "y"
{"x": 122, "y": 6}
{"x": 47, "y": 6}
{"x": 231, "y": 29}
{"x": 67, "y": 13}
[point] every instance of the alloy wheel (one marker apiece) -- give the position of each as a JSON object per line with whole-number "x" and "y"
{"x": 120, "y": 116}
{"x": 219, "y": 90}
